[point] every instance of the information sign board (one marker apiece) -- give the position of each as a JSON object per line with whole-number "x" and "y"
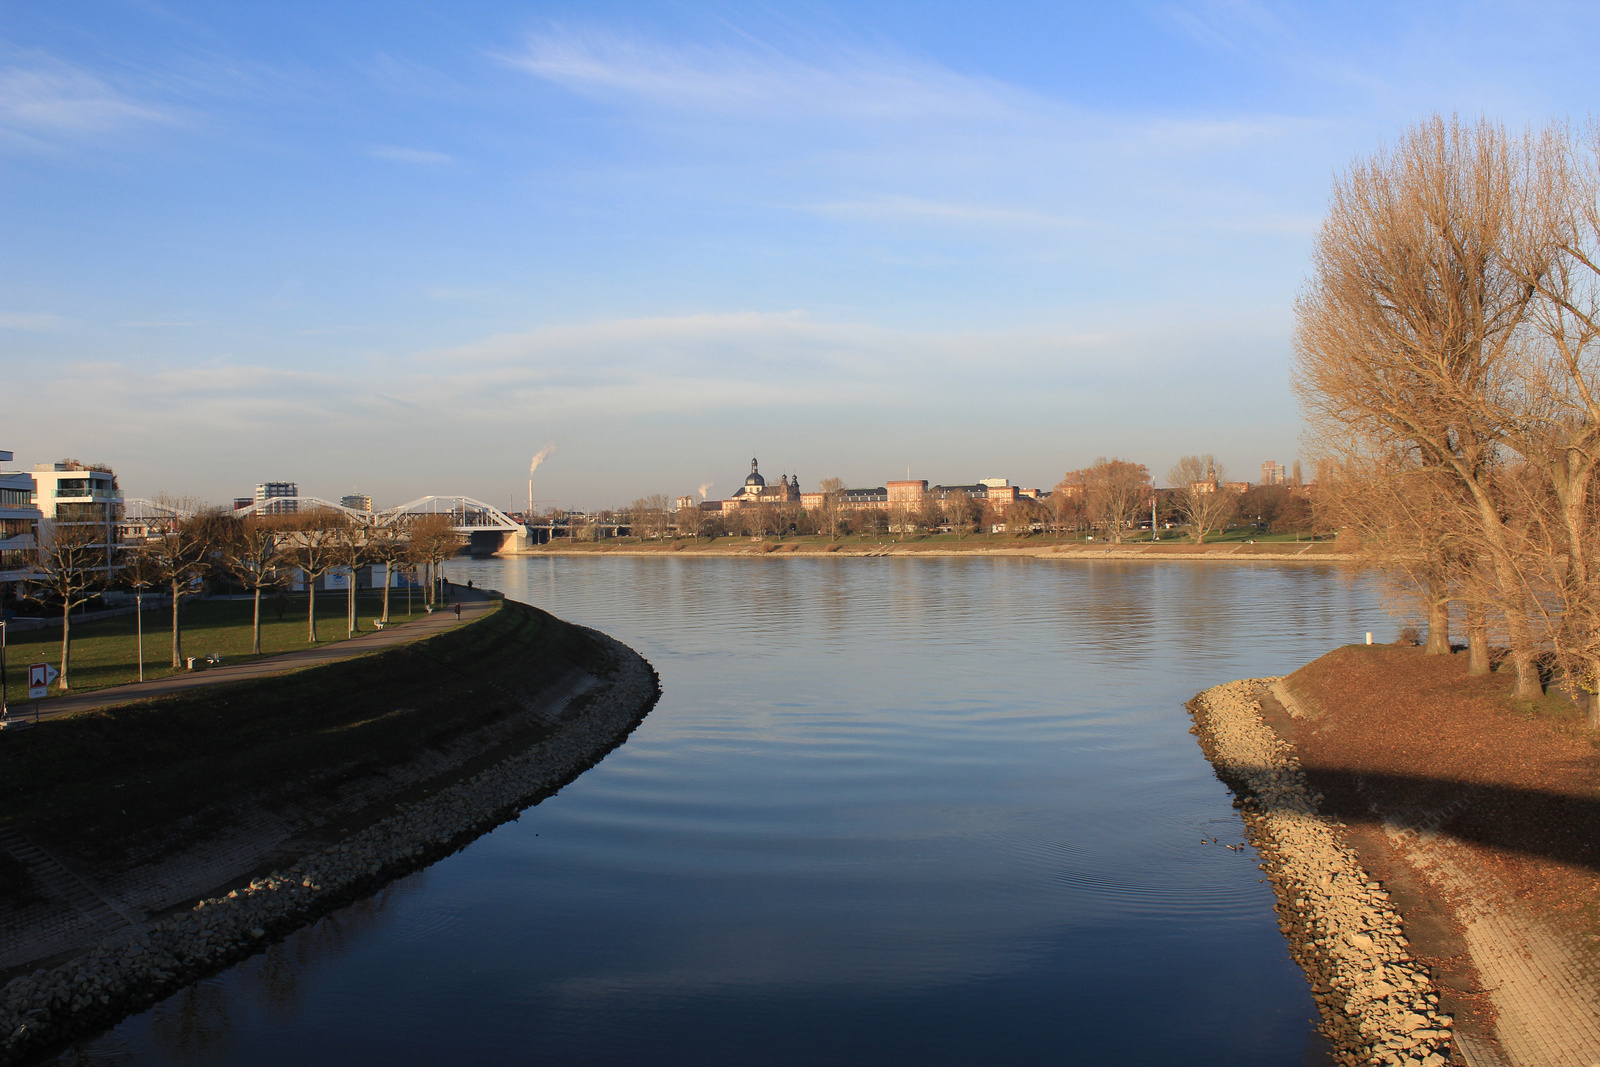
{"x": 40, "y": 675}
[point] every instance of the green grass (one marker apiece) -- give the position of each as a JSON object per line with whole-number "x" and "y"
{"x": 93, "y": 780}
{"x": 105, "y": 652}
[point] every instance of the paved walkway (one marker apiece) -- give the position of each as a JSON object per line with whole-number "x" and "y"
{"x": 474, "y": 604}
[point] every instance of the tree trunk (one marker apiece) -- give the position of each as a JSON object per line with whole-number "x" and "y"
{"x": 255, "y": 626}
{"x": 1438, "y": 620}
{"x": 388, "y": 580}
{"x": 311, "y": 609}
{"x": 1589, "y": 702}
{"x": 1477, "y": 642}
{"x": 66, "y": 641}
{"x": 1528, "y": 685}
{"x": 177, "y": 629}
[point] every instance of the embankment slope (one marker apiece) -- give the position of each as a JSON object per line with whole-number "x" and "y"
{"x": 1479, "y": 819}
{"x": 298, "y": 793}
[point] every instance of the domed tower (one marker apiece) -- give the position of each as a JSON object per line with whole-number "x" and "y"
{"x": 755, "y": 483}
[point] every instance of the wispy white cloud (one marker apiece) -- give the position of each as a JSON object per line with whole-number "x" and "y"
{"x": 46, "y": 99}
{"x": 421, "y": 156}
{"x": 22, "y": 320}
{"x": 756, "y": 79}
{"x": 1232, "y": 25}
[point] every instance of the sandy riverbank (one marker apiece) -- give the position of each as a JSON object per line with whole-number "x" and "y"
{"x": 427, "y": 811}
{"x": 1013, "y": 548}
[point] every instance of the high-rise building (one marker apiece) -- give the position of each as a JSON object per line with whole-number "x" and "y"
{"x": 356, "y": 502}
{"x": 1273, "y": 474}
{"x": 270, "y": 498}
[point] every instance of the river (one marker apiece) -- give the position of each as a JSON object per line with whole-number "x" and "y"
{"x": 887, "y": 811}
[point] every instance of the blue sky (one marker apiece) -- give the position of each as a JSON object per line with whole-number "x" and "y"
{"x": 400, "y": 247}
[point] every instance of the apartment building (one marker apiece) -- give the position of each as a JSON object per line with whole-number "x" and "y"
{"x": 19, "y": 524}
{"x": 276, "y": 498}
{"x": 80, "y": 495}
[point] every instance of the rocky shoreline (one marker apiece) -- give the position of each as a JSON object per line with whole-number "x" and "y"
{"x": 1378, "y": 1004}
{"x": 117, "y": 977}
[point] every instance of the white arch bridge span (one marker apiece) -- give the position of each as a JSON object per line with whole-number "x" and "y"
{"x": 487, "y": 528}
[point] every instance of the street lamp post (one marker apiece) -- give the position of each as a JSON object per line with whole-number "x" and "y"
{"x": 138, "y": 622}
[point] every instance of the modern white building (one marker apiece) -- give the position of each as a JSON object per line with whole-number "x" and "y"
{"x": 76, "y": 494}
{"x": 19, "y": 524}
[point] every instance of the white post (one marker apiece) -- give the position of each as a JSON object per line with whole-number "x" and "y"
{"x": 138, "y": 616}
{"x": 1369, "y": 637}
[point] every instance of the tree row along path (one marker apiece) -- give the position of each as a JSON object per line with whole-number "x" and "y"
{"x": 474, "y": 605}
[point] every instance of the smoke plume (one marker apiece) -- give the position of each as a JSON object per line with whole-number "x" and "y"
{"x": 542, "y": 455}
{"x": 705, "y": 488}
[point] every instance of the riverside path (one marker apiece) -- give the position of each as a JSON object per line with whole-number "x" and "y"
{"x": 474, "y": 604}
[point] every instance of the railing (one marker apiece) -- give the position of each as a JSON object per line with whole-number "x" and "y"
{"x": 108, "y": 496}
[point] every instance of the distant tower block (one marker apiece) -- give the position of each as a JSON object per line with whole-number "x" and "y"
{"x": 1273, "y": 474}
{"x": 270, "y": 498}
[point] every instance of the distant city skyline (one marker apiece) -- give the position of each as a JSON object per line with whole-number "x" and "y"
{"x": 398, "y": 251}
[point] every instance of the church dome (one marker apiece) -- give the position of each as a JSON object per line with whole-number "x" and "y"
{"x": 755, "y": 481}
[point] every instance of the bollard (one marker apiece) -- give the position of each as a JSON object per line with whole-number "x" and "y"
{"x": 1369, "y": 637}
{"x": 191, "y": 662}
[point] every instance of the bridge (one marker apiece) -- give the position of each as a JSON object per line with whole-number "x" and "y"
{"x": 485, "y": 526}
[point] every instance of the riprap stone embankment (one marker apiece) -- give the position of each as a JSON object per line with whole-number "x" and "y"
{"x": 116, "y": 977}
{"x": 1378, "y": 1004}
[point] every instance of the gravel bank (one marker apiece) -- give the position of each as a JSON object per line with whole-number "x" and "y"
{"x": 1378, "y": 1004}
{"x": 120, "y": 976}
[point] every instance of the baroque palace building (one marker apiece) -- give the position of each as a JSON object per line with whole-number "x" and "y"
{"x": 756, "y": 491}
{"x": 997, "y": 494}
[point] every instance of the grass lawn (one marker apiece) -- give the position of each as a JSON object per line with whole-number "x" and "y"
{"x": 106, "y": 652}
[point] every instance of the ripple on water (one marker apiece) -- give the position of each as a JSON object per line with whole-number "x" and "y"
{"x": 887, "y": 811}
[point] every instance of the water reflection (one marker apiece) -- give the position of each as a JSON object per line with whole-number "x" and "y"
{"x": 888, "y": 811}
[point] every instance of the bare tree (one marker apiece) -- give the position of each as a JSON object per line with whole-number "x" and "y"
{"x": 1403, "y": 333}
{"x": 832, "y": 505}
{"x": 310, "y": 542}
{"x": 435, "y": 539}
{"x": 385, "y": 545}
{"x": 350, "y": 550}
{"x": 1201, "y": 494}
{"x": 254, "y": 553}
{"x": 1396, "y": 517}
{"x": 69, "y": 559}
{"x": 1117, "y": 490}
{"x": 177, "y": 552}
{"x": 961, "y": 510}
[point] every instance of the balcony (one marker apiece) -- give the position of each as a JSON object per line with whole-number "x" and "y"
{"x": 93, "y": 496}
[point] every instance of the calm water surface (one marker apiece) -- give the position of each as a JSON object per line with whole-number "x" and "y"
{"x": 886, "y": 812}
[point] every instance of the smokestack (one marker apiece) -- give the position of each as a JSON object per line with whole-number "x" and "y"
{"x": 538, "y": 458}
